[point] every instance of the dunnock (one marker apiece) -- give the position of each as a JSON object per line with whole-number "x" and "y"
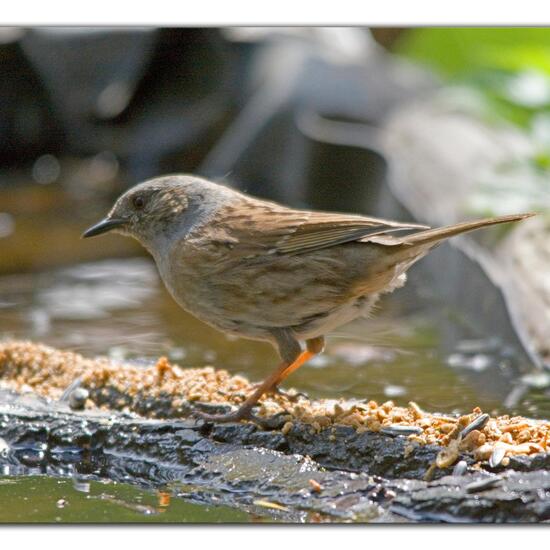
{"x": 263, "y": 271}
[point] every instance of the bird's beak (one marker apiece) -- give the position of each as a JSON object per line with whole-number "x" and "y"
{"x": 103, "y": 226}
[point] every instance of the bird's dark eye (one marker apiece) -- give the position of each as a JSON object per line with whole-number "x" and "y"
{"x": 139, "y": 202}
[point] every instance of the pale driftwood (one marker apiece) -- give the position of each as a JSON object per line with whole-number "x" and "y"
{"x": 437, "y": 156}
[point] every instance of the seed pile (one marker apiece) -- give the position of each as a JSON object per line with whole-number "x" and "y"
{"x": 25, "y": 366}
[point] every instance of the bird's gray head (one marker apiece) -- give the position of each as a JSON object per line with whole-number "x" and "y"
{"x": 156, "y": 209}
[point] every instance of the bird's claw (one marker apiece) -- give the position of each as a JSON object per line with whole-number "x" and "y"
{"x": 270, "y": 423}
{"x": 292, "y": 397}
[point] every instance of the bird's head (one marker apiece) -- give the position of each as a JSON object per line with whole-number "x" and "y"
{"x": 159, "y": 207}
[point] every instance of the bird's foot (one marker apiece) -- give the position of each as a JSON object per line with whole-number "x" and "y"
{"x": 290, "y": 396}
{"x": 244, "y": 413}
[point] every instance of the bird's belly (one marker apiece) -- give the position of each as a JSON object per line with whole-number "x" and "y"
{"x": 322, "y": 324}
{"x": 198, "y": 296}
{"x": 310, "y": 295}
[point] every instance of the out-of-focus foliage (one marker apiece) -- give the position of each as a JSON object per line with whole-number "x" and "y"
{"x": 508, "y": 67}
{"x": 458, "y": 51}
{"x": 500, "y": 76}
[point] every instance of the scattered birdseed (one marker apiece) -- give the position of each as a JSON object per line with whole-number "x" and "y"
{"x": 25, "y": 366}
{"x": 287, "y": 427}
{"x": 315, "y": 486}
{"x": 271, "y": 505}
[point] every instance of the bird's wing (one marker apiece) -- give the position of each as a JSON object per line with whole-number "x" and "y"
{"x": 322, "y": 230}
{"x": 264, "y": 227}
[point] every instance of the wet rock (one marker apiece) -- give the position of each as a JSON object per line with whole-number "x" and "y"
{"x": 271, "y": 440}
{"x": 372, "y": 452}
{"x": 336, "y": 474}
{"x": 239, "y": 465}
{"x": 232, "y": 433}
{"x": 515, "y": 497}
{"x": 188, "y": 436}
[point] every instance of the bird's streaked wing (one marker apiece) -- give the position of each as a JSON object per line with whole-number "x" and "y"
{"x": 275, "y": 229}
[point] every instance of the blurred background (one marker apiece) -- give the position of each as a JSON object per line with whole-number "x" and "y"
{"x": 432, "y": 124}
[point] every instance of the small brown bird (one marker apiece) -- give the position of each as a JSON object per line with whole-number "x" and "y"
{"x": 260, "y": 270}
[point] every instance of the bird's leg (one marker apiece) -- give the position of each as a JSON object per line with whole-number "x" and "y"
{"x": 293, "y": 357}
{"x": 314, "y": 347}
{"x": 244, "y": 412}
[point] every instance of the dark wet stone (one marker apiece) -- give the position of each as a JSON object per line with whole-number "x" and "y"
{"x": 232, "y": 432}
{"x": 188, "y": 436}
{"x": 30, "y": 457}
{"x": 204, "y": 446}
{"x": 371, "y": 452}
{"x": 33, "y": 437}
{"x": 524, "y": 463}
{"x": 67, "y": 436}
{"x": 518, "y": 497}
{"x": 270, "y": 440}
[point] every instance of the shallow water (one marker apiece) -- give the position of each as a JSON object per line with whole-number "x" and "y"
{"x": 120, "y": 308}
{"x": 41, "y": 499}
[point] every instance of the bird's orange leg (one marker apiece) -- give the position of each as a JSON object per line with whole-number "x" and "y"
{"x": 284, "y": 370}
{"x": 245, "y": 410}
{"x": 304, "y": 357}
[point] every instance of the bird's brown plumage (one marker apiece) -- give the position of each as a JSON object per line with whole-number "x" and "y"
{"x": 275, "y": 229}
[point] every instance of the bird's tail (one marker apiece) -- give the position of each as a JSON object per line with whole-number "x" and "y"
{"x": 433, "y": 236}
{"x": 406, "y": 250}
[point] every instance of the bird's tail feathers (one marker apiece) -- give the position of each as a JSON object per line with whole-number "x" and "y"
{"x": 433, "y": 236}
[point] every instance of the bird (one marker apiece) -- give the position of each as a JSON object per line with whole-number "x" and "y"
{"x": 263, "y": 271}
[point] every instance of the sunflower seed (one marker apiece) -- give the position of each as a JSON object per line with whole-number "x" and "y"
{"x": 460, "y": 468}
{"x": 482, "y": 484}
{"x": 476, "y": 424}
{"x": 496, "y": 457}
{"x": 78, "y": 398}
{"x": 75, "y": 384}
{"x": 398, "y": 429}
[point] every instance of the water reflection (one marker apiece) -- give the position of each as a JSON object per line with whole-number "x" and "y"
{"x": 47, "y": 500}
{"x": 120, "y": 308}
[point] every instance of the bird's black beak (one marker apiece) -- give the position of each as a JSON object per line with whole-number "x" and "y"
{"x": 103, "y": 226}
